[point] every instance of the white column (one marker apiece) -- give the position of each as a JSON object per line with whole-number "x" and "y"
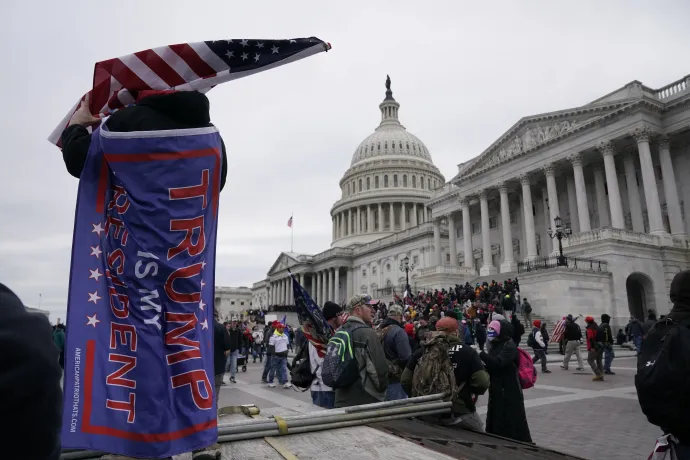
{"x": 270, "y": 292}
{"x": 508, "y": 265}
{"x": 349, "y": 284}
{"x": 633, "y": 194}
{"x": 600, "y": 191}
{"x": 349, "y": 222}
{"x": 392, "y": 217}
{"x": 414, "y": 215}
{"x": 581, "y": 193}
{"x": 572, "y": 204}
{"x": 437, "y": 240}
{"x": 554, "y": 208}
{"x": 670, "y": 190}
{"x": 314, "y": 288}
{"x": 467, "y": 232}
{"x": 286, "y": 291}
{"x": 301, "y": 280}
{"x": 380, "y": 216}
{"x": 452, "y": 240}
{"x": 358, "y": 222}
{"x": 548, "y": 246}
{"x": 488, "y": 266}
{"x": 651, "y": 194}
{"x": 615, "y": 204}
{"x": 403, "y": 224}
{"x": 331, "y": 285}
{"x": 326, "y": 285}
{"x": 370, "y": 220}
{"x": 530, "y": 235}
{"x": 336, "y": 297}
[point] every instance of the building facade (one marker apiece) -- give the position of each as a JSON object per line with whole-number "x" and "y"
{"x": 233, "y": 302}
{"x": 614, "y": 172}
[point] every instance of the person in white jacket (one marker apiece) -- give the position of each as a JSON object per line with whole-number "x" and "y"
{"x": 322, "y": 395}
{"x": 279, "y": 340}
{"x": 257, "y": 338}
{"x": 536, "y": 341}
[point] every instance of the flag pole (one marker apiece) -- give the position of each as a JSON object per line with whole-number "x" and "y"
{"x": 292, "y": 229}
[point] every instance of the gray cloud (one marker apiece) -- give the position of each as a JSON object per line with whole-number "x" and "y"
{"x": 464, "y": 72}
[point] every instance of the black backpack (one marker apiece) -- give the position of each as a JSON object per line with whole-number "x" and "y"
{"x": 528, "y": 307}
{"x": 663, "y": 375}
{"x": 531, "y": 341}
{"x": 601, "y": 335}
{"x": 301, "y": 374}
{"x": 340, "y": 368}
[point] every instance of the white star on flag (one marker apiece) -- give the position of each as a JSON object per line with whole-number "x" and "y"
{"x": 203, "y": 264}
{"x": 204, "y": 324}
{"x": 293, "y": 41}
{"x": 97, "y": 229}
{"x": 92, "y": 320}
{"x": 256, "y": 57}
{"x": 244, "y": 42}
{"x": 94, "y": 297}
{"x": 259, "y": 45}
{"x": 230, "y": 54}
{"x": 95, "y": 274}
{"x": 244, "y": 56}
{"x": 274, "y": 49}
{"x": 96, "y": 251}
{"x": 202, "y": 284}
{"x": 201, "y": 304}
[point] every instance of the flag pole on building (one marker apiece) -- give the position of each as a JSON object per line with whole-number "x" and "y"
{"x": 292, "y": 230}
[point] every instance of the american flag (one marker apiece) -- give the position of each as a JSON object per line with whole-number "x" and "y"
{"x": 315, "y": 327}
{"x": 185, "y": 67}
{"x": 558, "y": 331}
{"x": 290, "y": 222}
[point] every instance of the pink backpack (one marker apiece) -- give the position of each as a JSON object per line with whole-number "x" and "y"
{"x": 526, "y": 370}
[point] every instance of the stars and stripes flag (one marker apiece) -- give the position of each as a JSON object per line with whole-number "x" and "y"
{"x": 185, "y": 67}
{"x": 290, "y": 222}
{"x": 558, "y": 331}
{"x": 315, "y": 327}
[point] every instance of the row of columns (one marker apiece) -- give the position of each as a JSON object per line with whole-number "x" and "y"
{"x": 577, "y": 199}
{"x": 360, "y": 219}
{"x": 325, "y": 285}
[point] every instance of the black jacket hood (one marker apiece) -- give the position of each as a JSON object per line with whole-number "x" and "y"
{"x": 186, "y": 107}
{"x": 680, "y": 296}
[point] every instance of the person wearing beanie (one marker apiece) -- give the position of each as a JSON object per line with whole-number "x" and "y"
{"x": 506, "y": 414}
{"x": 595, "y": 349}
{"x": 370, "y": 386}
{"x": 268, "y": 365}
{"x": 411, "y": 336}
{"x": 279, "y": 342}
{"x": 29, "y": 382}
{"x": 397, "y": 348}
{"x": 469, "y": 373}
{"x": 321, "y": 394}
{"x": 573, "y": 337}
{"x": 608, "y": 339}
{"x": 538, "y": 344}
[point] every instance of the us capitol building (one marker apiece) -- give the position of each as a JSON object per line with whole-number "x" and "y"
{"x": 612, "y": 175}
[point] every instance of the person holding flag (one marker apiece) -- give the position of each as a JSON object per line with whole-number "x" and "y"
{"x": 150, "y": 167}
{"x": 321, "y": 394}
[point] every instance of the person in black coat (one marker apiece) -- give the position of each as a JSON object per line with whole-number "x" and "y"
{"x": 163, "y": 111}
{"x": 518, "y": 329}
{"x": 506, "y": 412}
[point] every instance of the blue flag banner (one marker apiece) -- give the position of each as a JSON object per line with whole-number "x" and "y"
{"x": 315, "y": 327}
{"x": 139, "y": 354}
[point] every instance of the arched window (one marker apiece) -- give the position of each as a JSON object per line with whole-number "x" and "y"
{"x": 360, "y": 185}
{"x": 428, "y": 184}
{"x": 348, "y": 188}
{"x": 421, "y": 182}
{"x": 368, "y": 183}
{"x": 405, "y": 180}
{"x": 379, "y": 146}
{"x": 376, "y": 182}
{"x": 385, "y": 180}
{"x": 414, "y": 181}
{"x": 385, "y": 145}
{"x": 353, "y": 187}
{"x": 393, "y": 145}
{"x": 395, "y": 180}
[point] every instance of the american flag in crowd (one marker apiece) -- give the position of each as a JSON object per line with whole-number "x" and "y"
{"x": 558, "y": 331}
{"x": 185, "y": 67}
{"x": 315, "y": 327}
{"x": 290, "y": 222}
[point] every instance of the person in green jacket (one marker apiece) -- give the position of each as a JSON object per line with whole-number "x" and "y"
{"x": 59, "y": 341}
{"x": 469, "y": 372}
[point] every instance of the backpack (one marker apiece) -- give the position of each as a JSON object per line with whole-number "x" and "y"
{"x": 601, "y": 334}
{"x": 528, "y": 307}
{"x": 394, "y": 370}
{"x": 663, "y": 375}
{"x": 527, "y": 373}
{"x": 434, "y": 372}
{"x": 531, "y": 341}
{"x": 340, "y": 368}
{"x": 301, "y": 375}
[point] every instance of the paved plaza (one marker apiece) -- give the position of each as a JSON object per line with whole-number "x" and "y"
{"x": 566, "y": 410}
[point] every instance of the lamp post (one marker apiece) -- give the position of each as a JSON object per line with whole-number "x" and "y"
{"x": 406, "y": 267}
{"x": 559, "y": 234}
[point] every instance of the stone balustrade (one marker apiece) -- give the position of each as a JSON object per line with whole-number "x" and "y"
{"x": 673, "y": 89}
{"x": 448, "y": 270}
{"x": 601, "y": 234}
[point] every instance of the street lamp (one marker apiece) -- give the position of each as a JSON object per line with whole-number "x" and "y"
{"x": 559, "y": 234}
{"x": 406, "y": 267}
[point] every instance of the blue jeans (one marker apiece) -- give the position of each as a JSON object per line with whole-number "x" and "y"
{"x": 232, "y": 362}
{"x": 280, "y": 368}
{"x": 395, "y": 391}
{"x": 268, "y": 368}
{"x": 637, "y": 340}
{"x": 257, "y": 352}
{"x": 325, "y": 399}
{"x": 608, "y": 357}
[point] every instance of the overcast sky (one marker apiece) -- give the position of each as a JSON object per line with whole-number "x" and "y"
{"x": 463, "y": 72}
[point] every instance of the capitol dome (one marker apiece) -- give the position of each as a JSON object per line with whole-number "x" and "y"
{"x": 390, "y": 178}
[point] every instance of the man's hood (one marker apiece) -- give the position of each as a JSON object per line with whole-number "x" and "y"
{"x": 186, "y": 107}
{"x": 390, "y": 321}
{"x": 680, "y": 290}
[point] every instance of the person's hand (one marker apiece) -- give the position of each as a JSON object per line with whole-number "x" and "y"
{"x": 83, "y": 116}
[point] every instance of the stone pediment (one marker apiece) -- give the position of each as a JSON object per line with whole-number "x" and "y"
{"x": 284, "y": 261}
{"x": 530, "y": 133}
